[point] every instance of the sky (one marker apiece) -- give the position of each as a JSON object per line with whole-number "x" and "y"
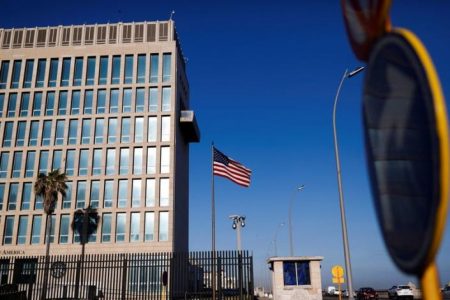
{"x": 263, "y": 76}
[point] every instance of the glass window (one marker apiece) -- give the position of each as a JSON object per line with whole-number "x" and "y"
{"x": 112, "y": 130}
{"x": 53, "y": 72}
{"x": 153, "y": 68}
{"x": 75, "y": 105}
{"x": 73, "y": 128}
{"x": 64, "y": 229}
{"x": 43, "y": 162}
{"x": 103, "y": 71}
{"x": 140, "y": 99}
{"x": 120, "y": 227}
{"x": 134, "y": 228}
{"x": 95, "y": 193}
{"x": 4, "y": 74}
{"x": 114, "y": 101}
{"x": 165, "y": 129}
{"x": 124, "y": 161}
{"x": 125, "y": 131}
{"x": 165, "y": 160}
{"x": 108, "y": 193}
{"x": 22, "y": 232}
{"x": 97, "y": 162}
{"x": 126, "y": 101}
{"x": 136, "y": 193}
{"x": 99, "y": 131}
{"x": 38, "y": 203}
{"x": 62, "y": 103}
{"x": 78, "y": 71}
{"x": 34, "y": 131}
{"x": 151, "y": 160}
{"x": 37, "y": 103}
{"x": 141, "y": 68}
{"x": 90, "y": 71}
{"x": 46, "y": 135}
{"x": 12, "y": 101}
{"x": 110, "y": 161}
{"x": 83, "y": 162}
{"x": 122, "y": 194}
{"x": 164, "y": 226}
{"x": 153, "y": 99}
{"x": 24, "y": 104}
{"x": 70, "y": 162}
{"x": 36, "y": 230}
{"x": 27, "y": 80}
{"x": 29, "y": 164}
{"x": 115, "y": 70}
{"x": 150, "y": 193}
{"x": 166, "y": 99}
{"x": 296, "y": 273}
{"x": 151, "y": 129}
{"x": 52, "y": 230}
{"x": 50, "y": 104}
{"x": 16, "y": 74}
{"x": 88, "y": 98}
{"x": 86, "y": 131}
{"x": 12, "y": 197}
{"x": 2, "y": 102}
{"x": 101, "y": 101}
{"x": 7, "y": 135}
{"x": 65, "y": 72}
{"x": 57, "y": 160}
{"x": 67, "y": 200}
{"x": 40, "y": 76}
{"x": 17, "y": 164}
{"x": 149, "y": 226}
{"x": 128, "y": 76}
{"x": 139, "y": 129}
{"x": 137, "y": 161}
{"x": 8, "y": 233}
{"x": 81, "y": 194}
{"x": 167, "y": 58}
{"x": 2, "y": 195}
{"x": 164, "y": 192}
{"x": 106, "y": 228}
{"x": 26, "y": 196}
{"x": 59, "y": 136}
{"x": 20, "y": 135}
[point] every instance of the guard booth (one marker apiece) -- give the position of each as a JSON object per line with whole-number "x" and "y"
{"x": 296, "y": 277}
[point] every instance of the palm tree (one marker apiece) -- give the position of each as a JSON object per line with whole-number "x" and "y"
{"x": 48, "y": 187}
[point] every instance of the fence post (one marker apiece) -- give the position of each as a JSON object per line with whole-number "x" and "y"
{"x": 241, "y": 294}
{"x": 124, "y": 278}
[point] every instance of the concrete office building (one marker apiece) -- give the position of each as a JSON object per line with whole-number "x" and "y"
{"x": 109, "y": 106}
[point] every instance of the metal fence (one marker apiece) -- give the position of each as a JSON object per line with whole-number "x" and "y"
{"x": 132, "y": 276}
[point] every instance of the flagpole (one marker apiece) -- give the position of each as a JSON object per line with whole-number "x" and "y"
{"x": 213, "y": 225}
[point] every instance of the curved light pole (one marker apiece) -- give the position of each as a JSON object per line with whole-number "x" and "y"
{"x": 291, "y": 246}
{"x": 348, "y": 266}
{"x": 238, "y": 222}
{"x": 275, "y": 237}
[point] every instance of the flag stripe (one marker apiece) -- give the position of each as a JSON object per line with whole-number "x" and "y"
{"x": 231, "y": 169}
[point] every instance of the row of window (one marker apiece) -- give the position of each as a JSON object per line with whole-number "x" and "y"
{"x": 86, "y": 162}
{"x": 57, "y": 103}
{"x": 86, "y": 132}
{"x": 113, "y": 228}
{"x": 78, "y": 71}
{"x": 96, "y": 193}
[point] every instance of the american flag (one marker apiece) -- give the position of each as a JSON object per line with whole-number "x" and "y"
{"x": 231, "y": 169}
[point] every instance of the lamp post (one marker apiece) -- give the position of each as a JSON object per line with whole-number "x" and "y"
{"x": 238, "y": 222}
{"x": 348, "y": 267}
{"x": 276, "y": 236}
{"x": 291, "y": 246}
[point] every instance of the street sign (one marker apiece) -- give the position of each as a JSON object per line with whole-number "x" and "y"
{"x": 339, "y": 280}
{"x": 365, "y": 21}
{"x": 406, "y": 135}
{"x": 337, "y": 271}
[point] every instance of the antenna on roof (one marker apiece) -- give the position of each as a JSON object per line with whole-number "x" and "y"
{"x": 171, "y": 15}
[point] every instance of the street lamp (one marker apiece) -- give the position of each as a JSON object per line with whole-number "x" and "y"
{"x": 238, "y": 222}
{"x": 291, "y": 246}
{"x": 275, "y": 237}
{"x": 348, "y": 267}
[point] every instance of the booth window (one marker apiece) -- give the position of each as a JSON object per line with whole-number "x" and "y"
{"x": 296, "y": 273}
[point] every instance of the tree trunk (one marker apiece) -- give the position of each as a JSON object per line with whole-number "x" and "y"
{"x": 47, "y": 257}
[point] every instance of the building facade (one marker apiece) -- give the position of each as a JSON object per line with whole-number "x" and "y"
{"x": 109, "y": 106}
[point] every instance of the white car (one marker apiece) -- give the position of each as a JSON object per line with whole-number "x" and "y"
{"x": 400, "y": 291}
